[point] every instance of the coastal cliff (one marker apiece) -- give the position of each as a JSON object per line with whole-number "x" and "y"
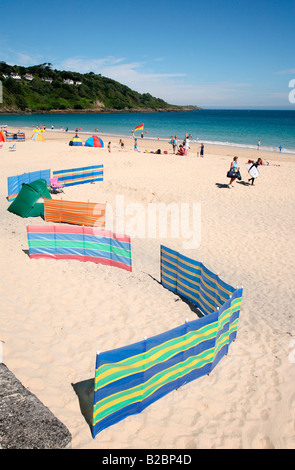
{"x": 39, "y": 89}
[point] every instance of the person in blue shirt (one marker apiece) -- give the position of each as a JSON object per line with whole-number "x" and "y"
{"x": 174, "y": 144}
{"x": 234, "y": 167}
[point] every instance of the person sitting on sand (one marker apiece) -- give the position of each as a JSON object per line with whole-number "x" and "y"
{"x": 181, "y": 150}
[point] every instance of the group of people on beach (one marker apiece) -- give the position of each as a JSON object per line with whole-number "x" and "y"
{"x": 121, "y": 143}
{"x": 183, "y": 148}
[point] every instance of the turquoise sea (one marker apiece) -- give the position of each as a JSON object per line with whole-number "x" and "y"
{"x": 240, "y": 128}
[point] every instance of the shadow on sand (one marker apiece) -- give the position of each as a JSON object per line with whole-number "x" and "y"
{"x": 85, "y": 389}
{"x": 222, "y": 185}
{"x": 85, "y": 393}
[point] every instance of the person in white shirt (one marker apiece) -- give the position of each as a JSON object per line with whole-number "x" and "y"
{"x": 186, "y": 145}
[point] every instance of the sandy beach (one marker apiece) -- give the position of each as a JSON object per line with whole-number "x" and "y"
{"x": 55, "y": 315}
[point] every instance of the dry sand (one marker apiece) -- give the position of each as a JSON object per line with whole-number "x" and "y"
{"x": 56, "y": 315}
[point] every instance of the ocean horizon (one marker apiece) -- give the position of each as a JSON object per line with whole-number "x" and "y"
{"x": 238, "y": 128}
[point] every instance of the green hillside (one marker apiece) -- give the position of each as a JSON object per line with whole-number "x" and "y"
{"x": 39, "y": 88}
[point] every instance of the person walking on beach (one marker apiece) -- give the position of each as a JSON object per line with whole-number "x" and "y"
{"x": 258, "y": 144}
{"x": 135, "y": 145}
{"x": 109, "y": 147}
{"x": 234, "y": 170}
{"x": 256, "y": 164}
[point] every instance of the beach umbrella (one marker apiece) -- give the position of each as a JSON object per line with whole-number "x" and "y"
{"x": 94, "y": 141}
{"x": 38, "y": 136}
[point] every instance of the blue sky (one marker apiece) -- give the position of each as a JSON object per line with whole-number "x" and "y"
{"x": 215, "y": 54}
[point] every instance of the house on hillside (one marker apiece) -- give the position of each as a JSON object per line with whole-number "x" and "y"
{"x": 29, "y": 76}
{"x": 68, "y": 81}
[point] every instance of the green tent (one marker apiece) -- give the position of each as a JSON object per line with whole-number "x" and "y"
{"x": 29, "y": 201}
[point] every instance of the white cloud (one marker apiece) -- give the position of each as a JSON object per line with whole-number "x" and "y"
{"x": 13, "y": 57}
{"x": 203, "y": 94}
{"x": 115, "y": 68}
{"x": 131, "y": 74}
{"x": 285, "y": 72}
{"x": 25, "y": 59}
{"x": 78, "y": 64}
{"x": 175, "y": 88}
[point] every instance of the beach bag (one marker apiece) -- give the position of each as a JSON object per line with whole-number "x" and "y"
{"x": 234, "y": 174}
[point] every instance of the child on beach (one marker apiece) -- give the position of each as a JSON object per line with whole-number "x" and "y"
{"x": 109, "y": 147}
{"x": 135, "y": 145}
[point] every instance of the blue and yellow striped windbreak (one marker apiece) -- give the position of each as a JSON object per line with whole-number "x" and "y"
{"x": 88, "y": 174}
{"x": 15, "y": 183}
{"x": 129, "y": 379}
{"x": 192, "y": 280}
